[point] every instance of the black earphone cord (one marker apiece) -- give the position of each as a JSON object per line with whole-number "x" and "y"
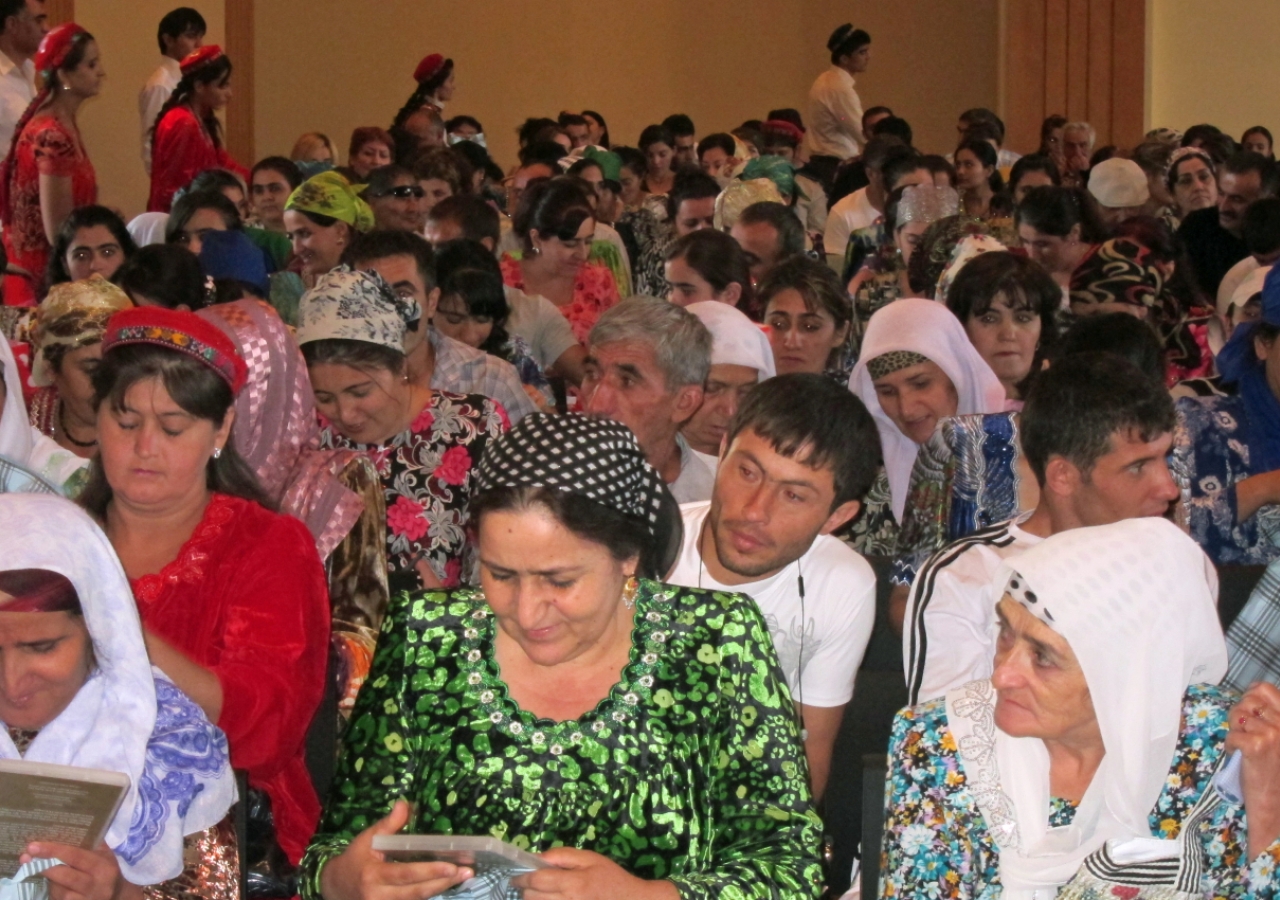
{"x": 804, "y": 626}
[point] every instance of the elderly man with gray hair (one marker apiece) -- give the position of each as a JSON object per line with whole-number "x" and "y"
{"x": 647, "y": 362}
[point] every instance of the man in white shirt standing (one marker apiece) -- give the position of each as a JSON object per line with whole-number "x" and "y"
{"x": 24, "y": 23}
{"x": 181, "y": 32}
{"x": 798, "y": 458}
{"x": 835, "y": 110}
{"x": 1096, "y": 432}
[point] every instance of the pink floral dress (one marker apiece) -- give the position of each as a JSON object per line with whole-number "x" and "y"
{"x": 428, "y": 475}
{"x": 594, "y": 291}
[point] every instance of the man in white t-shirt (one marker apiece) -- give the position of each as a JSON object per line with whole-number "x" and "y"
{"x": 890, "y": 165}
{"x": 800, "y": 455}
{"x": 181, "y": 32}
{"x": 23, "y": 23}
{"x": 1096, "y": 432}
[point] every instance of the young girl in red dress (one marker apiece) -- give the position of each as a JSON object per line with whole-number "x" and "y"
{"x": 187, "y": 137}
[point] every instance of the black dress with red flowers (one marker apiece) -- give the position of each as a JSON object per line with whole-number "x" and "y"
{"x": 428, "y": 475}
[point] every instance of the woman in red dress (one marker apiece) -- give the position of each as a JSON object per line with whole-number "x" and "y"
{"x": 187, "y": 136}
{"x": 47, "y": 173}
{"x": 232, "y": 594}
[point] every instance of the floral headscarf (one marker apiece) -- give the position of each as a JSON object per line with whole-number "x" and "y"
{"x": 72, "y": 316}
{"x": 355, "y": 306}
{"x": 329, "y": 194}
{"x": 968, "y": 248}
{"x": 937, "y": 244}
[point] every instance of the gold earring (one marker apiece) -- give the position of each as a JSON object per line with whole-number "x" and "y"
{"x": 629, "y": 591}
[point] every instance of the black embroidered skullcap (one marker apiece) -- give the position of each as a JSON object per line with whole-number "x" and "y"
{"x": 596, "y": 458}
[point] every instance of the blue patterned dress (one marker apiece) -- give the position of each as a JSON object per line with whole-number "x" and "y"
{"x": 936, "y": 842}
{"x": 1211, "y": 451}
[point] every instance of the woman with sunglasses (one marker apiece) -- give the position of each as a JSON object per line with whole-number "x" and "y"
{"x": 397, "y": 200}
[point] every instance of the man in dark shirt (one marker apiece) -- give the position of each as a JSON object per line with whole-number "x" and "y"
{"x": 1212, "y": 236}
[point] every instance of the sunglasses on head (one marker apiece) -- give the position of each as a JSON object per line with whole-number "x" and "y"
{"x": 404, "y": 192}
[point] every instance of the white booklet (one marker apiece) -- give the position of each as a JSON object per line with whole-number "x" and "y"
{"x": 484, "y": 855}
{"x": 46, "y": 802}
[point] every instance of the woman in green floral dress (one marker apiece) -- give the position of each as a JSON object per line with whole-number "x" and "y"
{"x": 638, "y": 735}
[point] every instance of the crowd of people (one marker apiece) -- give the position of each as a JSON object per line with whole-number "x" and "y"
{"x": 569, "y": 494}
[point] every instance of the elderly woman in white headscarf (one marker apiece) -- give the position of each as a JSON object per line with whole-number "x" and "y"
{"x": 918, "y": 367}
{"x": 741, "y": 358}
{"x": 29, "y": 460}
{"x": 1095, "y": 742}
{"x": 78, "y": 691}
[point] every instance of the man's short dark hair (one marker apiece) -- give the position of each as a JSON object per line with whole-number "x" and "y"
{"x": 812, "y": 420}
{"x": 1080, "y": 401}
{"x": 719, "y": 139}
{"x": 381, "y": 243}
{"x": 477, "y": 219}
{"x": 783, "y": 220}
{"x": 175, "y": 24}
{"x": 1247, "y": 161}
{"x": 894, "y": 126}
{"x": 1119, "y": 334}
{"x": 982, "y": 115}
{"x": 899, "y": 162}
{"x": 877, "y": 111}
{"x": 567, "y": 118}
{"x": 878, "y": 148}
{"x": 691, "y": 184}
{"x": 679, "y": 125}
{"x": 1261, "y": 226}
{"x": 547, "y": 152}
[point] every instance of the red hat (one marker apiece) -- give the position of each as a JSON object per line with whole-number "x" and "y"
{"x": 37, "y": 590}
{"x": 182, "y": 331}
{"x": 56, "y": 45}
{"x": 783, "y": 127}
{"x": 429, "y": 66}
{"x": 198, "y": 59}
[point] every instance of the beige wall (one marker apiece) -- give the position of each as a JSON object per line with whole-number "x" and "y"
{"x": 635, "y": 63}
{"x": 126, "y": 33}
{"x": 1213, "y": 63}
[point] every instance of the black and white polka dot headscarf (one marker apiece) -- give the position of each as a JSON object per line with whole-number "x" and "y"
{"x": 596, "y": 458}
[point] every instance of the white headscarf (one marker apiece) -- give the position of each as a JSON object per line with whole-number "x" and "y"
{"x": 1136, "y": 601}
{"x": 735, "y": 339}
{"x": 21, "y": 443}
{"x": 127, "y": 717}
{"x": 148, "y": 228}
{"x": 930, "y": 329}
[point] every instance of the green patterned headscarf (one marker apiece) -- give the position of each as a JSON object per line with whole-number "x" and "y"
{"x": 329, "y": 194}
{"x": 774, "y": 168}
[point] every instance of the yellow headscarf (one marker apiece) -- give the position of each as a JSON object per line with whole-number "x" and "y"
{"x": 329, "y": 194}
{"x": 73, "y": 315}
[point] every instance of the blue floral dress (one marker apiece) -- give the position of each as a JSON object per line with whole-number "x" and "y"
{"x": 936, "y": 842}
{"x": 1211, "y": 452}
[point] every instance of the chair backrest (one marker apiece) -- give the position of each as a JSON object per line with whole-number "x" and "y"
{"x": 874, "y": 769}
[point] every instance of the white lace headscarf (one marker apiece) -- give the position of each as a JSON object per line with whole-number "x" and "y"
{"x": 1137, "y": 603}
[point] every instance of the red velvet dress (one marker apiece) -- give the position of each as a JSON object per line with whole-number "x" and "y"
{"x": 181, "y": 150}
{"x": 46, "y": 147}
{"x": 246, "y": 598}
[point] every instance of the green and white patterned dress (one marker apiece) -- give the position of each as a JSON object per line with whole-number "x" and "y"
{"x": 690, "y": 770}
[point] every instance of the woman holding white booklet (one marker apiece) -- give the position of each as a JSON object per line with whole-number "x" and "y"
{"x": 76, "y": 689}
